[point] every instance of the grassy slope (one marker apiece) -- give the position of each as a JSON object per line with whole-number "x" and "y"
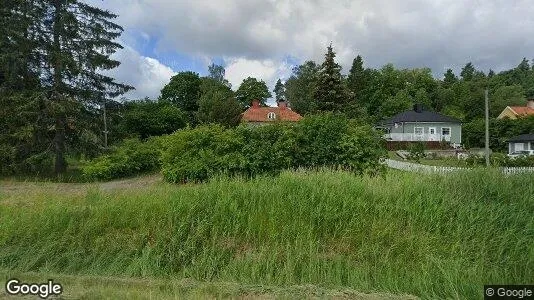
{"x": 433, "y": 237}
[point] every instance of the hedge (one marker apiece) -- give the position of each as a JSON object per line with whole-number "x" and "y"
{"x": 195, "y": 155}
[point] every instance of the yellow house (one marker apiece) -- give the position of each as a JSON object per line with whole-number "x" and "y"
{"x": 515, "y": 112}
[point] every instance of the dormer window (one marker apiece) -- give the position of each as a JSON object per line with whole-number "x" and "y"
{"x": 271, "y": 116}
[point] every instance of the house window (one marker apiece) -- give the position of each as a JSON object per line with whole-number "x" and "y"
{"x": 271, "y": 116}
{"x": 419, "y": 130}
{"x": 445, "y": 131}
{"x": 432, "y": 130}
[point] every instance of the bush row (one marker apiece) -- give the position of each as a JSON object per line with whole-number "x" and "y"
{"x": 500, "y": 160}
{"x": 194, "y": 155}
{"x": 129, "y": 158}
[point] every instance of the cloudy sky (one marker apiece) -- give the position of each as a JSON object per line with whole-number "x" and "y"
{"x": 266, "y": 38}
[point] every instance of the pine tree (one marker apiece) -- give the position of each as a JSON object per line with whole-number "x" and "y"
{"x": 331, "y": 94}
{"x": 279, "y": 91}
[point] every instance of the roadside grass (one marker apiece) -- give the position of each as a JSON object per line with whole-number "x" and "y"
{"x": 431, "y": 236}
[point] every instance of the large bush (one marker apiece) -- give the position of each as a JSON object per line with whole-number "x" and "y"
{"x": 152, "y": 118}
{"x": 199, "y": 153}
{"x": 129, "y": 158}
{"x": 321, "y": 141}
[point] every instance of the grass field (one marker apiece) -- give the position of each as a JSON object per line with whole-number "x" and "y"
{"x": 301, "y": 234}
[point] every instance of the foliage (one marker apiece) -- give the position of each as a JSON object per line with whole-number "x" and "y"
{"x": 321, "y": 141}
{"x": 300, "y": 88}
{"x": 200, "y": 153}
{"x": 279, "y": 91}
{"x": 184, "y": 91}
{"x": 331, "y": 93}
{"x": 503, "y": 96}
{"x": 416, "y": 151}
{"x": 217, "y": 104}
{"x": 356, "y": 80}
{"x": 500, "y": 160}
{"x": 252, "y": 89}
{"x": 402, "y": 233}
{"x": 148, "y": 118}
{"x": 501, "y": 130}
{"x": 131, "y": 157}
{"x": 217, "y": 72}
{"x": 57, "y": 50}
{"x": 398, "y": 103}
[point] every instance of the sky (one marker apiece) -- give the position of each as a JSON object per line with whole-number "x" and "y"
{"x": 266, "y": 39}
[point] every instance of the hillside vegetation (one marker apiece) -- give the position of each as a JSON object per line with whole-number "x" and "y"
{"x": 431, "y": 236}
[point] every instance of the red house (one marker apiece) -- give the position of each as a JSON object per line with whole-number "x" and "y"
{"x": 260, "y": 115}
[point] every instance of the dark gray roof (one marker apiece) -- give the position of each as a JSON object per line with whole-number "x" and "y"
{"x": 523, "y": 138}
{"x": 422, "y": 116}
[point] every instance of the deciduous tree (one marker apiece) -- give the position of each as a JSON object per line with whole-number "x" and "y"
{"x": 252, "y": 89}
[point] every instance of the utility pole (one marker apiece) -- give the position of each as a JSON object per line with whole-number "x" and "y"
{"x": 105, "y": 127}
{"x": 487, "y": 128}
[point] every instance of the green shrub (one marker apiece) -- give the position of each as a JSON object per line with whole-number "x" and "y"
{"x": 416, "y": 151}
{"x": 152, "y": 118}
{"x": 129, "y": 158}
{"x": 199, "y": 153}
{"x": 193, "y": 155}
{"x": 500, "y": 160}
{"x": 268, "y": 149}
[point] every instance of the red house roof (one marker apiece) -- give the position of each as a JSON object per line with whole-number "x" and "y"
{"x": 522, "y": 110}
{"x": 256, "y": 113}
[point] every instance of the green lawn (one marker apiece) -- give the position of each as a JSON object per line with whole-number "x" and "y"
{"x": 298, "y": 234}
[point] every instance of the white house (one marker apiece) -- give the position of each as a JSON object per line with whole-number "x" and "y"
{"x": 520, "y": 143}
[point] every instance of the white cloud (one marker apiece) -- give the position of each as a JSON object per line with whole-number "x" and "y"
{"x": 267, "y": 70}
{"x": 146, "y": 74}
{"x": 409, "y": 33}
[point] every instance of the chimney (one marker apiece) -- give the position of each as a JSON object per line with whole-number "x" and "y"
{"x": 282, "y": 104}
{"x": 418, "y": 108}
{"x": 255, "y": 103}
{"x": 530, "y": 103}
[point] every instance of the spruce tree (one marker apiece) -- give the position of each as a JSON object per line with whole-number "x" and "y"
{"x": 78, "y": 41}
{"x": 331, "y": 94}
{"x": 23, "y": 137}
{"x": 355, "y": 80}
{"x": 449, "y": 78}
{"x": 279, "y": 91}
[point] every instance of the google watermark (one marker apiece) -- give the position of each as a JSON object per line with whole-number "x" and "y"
{"x": 15, "y": 287}
{"x": 509, "y": 292}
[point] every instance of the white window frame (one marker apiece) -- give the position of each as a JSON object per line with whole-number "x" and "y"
{"x": 422, "y": 131}
{"x": 271, "y": 116}
{"x": 432, "y": 129}
{"x": 450, "y": 131}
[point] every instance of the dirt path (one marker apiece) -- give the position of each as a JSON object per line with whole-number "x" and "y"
{"x": 18, "y": 187}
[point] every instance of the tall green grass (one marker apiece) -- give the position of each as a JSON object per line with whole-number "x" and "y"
{"x": 430, "y": 236}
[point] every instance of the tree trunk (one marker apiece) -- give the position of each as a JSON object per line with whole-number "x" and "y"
{"x": 59, "y": 138}
{"x": 59, "y": 147}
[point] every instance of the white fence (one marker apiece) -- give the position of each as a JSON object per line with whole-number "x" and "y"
{"x": 411, "y": 137}
{"x": 521, "y": 170}
{"x": 408, "y": 166}
{"x": 413, "y": 167}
